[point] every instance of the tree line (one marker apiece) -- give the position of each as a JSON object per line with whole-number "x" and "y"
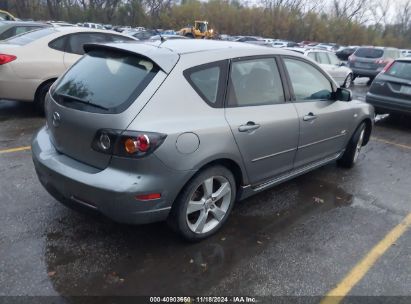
{"x": 347, "y": 22}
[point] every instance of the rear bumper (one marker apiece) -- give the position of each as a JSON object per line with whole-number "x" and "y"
{"x": 111, "y": 191}
{"x": 389, "y": 103}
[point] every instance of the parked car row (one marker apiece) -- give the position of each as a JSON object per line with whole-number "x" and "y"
{"x": 31, "y": 62}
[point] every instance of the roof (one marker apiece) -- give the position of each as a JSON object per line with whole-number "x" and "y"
{"x": 187, "y": 46}
{"x": 166, "y": 54}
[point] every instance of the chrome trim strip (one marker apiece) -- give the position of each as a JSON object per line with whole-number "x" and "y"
{"x": 296, "y": 172}
{"x": 323, "y": 140}
{"x": 272, "y": 155}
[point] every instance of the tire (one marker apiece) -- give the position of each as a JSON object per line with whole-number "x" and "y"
{"x": 40, "y": 98}
{"x": 348, "y": 81}
{"x": 350, "y": 156}
{"x": 207, "y": 215}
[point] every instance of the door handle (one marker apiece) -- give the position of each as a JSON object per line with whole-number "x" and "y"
{"x": 309, "y": 117}
{"x": 250, "y": 126}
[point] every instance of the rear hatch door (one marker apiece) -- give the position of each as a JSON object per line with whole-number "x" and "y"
{"x": 367, "y": 58}
{"x": 106, "y": 89}
{"x": 395, "y": 82}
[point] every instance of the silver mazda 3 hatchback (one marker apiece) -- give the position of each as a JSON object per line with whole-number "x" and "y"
{"x": 180, "y": 130}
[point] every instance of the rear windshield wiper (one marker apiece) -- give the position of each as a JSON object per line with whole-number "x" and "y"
{"x": 69, "y": 98}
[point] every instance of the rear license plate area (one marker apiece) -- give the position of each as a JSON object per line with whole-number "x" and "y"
{"x": 406, "y": 90}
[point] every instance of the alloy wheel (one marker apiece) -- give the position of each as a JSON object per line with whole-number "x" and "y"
{"x": 209, "y": 204}
{"x": 359, "y": 145}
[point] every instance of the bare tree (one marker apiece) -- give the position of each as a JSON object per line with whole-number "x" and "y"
{"x": 351, "y": 9}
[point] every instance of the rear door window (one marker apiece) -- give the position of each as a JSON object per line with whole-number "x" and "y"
{"x": 255, "y": 82}
{"x": 323, "y": 58}
{"x": 312, "y": 56}
{"x": 369, "y": 53}
{"x": 77, "y": 41}
{"x": 333, "y": 59}
{"x": 104, "y": 81}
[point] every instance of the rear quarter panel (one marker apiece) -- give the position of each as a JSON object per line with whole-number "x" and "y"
{"x": 176, "y": 109}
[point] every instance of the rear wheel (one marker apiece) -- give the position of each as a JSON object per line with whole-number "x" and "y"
{"x": 204, "y": 204}
{"x": 40, "y": 98}
{"x": 353, "y": 148}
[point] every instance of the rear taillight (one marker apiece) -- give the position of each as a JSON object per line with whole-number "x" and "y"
{"x": 128, "y": 143}
{"x": 382, "y": 61}
{"x": 387, "y": 67}
{"x": 4, "y": 58}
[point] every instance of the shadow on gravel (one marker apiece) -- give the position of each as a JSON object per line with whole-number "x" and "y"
{"x": 94, "y": 256}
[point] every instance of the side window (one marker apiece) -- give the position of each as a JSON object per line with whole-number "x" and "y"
{"x": 255, "y": 82}
{"x": 312, "y": 56}
{"x": 9, "y": 33}
{"x": 333, "y": 59}
{"x": 208, "y": 81}
{"x": 59, "y": 44}
{"x": 307, "y": 82}
{"x": 323, "y": 58}
{"x": 22, "y": 29}
{"x": 77, "y": 41}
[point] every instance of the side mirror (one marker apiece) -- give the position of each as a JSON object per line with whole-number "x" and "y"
{"x": 343, "y": 94}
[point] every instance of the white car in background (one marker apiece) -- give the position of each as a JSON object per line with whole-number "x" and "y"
{"x": 31, "y": 62}
{"x": 342, "y": 74}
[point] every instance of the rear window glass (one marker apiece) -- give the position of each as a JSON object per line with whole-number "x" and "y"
{"x": 104, "y": 82}
{"x": 207, "y": 82}
{"x": 28, "y": 37}
{"x": 369, "y": 53}
{"x": 400, "y": 69}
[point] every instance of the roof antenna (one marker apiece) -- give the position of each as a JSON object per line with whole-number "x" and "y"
{"x": 162, "y": 39}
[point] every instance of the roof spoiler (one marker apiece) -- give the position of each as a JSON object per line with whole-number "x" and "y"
{"x": 163, "y": 57}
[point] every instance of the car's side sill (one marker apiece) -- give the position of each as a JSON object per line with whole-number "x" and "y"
{"x": 249, "y": 190}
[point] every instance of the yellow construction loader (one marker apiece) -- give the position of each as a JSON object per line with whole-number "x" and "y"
{"x": 200, "y": 30}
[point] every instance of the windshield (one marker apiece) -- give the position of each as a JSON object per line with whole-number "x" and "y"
{"x": 369, "y": 53}
{"x": 31, "y": 36}
{"x": 104, "y": 81}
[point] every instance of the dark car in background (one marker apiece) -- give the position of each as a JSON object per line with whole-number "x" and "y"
{"x": 10, "y": 29}
{"x": 370, "y": 61}
{"x": 345, "y": 53}
{"x": 390, "y": 91}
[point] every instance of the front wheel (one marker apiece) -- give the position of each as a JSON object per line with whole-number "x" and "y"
{"x": 204, "y": 204}
{"x": 353, "y": 148}
{"x": 348, "y": 81}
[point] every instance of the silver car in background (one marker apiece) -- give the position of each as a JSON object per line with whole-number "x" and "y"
{"x": 152, "y": 132}
{"x": 342, "y": 74}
